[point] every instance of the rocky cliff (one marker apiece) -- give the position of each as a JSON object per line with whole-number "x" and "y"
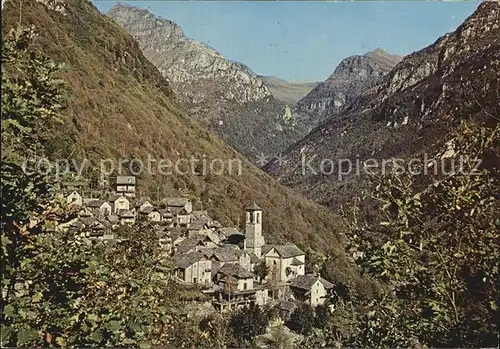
{"x": 351, "y": 78}
{"x": 412, "y": 109}
{"x": 227, "y": 96}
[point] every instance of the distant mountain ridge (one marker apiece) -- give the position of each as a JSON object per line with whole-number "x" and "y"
{"x": 410, "y": 111}
{"x": 227, "y": 96}
{"x": 353, "y": 76}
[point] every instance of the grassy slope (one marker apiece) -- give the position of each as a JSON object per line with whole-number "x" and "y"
{"x": 288, "y": 92}
{"x": 120, "y": 106}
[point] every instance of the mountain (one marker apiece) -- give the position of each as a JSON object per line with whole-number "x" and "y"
{"x": 351, "y": 78}
{"x": 409, "y": 112}
{"x": 120, "y": 107}
{"x": 226, "y": 96}
{"x": 286, "y": 91}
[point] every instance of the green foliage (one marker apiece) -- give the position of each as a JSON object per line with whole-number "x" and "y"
{"x": 322, "y": 316}
{"x": 302, "y": 319}
{"x": 435, "y": 244}
{"x": 30, "y": 102}
{"x": 59, "y": 289}
{"x": 248, "y": 323}
{"x": 262, "y": 270}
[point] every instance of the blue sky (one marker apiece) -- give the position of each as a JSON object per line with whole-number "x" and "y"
{"x": 304, "y": 41}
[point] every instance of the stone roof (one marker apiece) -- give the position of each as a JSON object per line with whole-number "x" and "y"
{"x": 305, "y": 282}
{"x": 235, "y": 270}
{"x": 187, "y": 260}
{"x": 177, "y": 202}
{"x": 266, "y": 249}
{"x": 199, "y": 214}
{"x": 297, "y": 262}
{"x": 125, "y": 180}
{"x": 224, "y": 254}
{"x": 253, "y": 207}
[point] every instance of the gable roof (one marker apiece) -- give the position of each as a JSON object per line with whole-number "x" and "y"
{"x": 142, "y": 201}
{"x": 286, "y": 251}
{"x": 296, "y": 262}
{"x": 253, "y": 207}
{"x": 305, "y": 282}
{"x": 235, "y": 270}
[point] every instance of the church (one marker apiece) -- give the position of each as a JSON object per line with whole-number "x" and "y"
{"x": 286, "y": 261}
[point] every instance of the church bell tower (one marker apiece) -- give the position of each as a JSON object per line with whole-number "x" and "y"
{"x": 253, "y": 230}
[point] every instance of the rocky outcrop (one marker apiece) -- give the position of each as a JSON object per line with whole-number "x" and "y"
{"x": 411, "y": 109}
{"x": 227, "y": 96}
{"x": 351, "y": 78}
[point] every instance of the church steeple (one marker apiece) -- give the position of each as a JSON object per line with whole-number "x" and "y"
{"x": 253, "y": 230}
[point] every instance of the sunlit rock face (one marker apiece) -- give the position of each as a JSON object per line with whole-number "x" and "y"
{"x": 351, "y": 78}
{"x": 226, "y": 96}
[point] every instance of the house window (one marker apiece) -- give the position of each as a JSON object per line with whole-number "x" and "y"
{"x": 258, "y": 217}
{"x": 245, "y": 286}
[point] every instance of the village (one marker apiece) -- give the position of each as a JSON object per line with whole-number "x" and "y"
{"x": 233, "y": 268}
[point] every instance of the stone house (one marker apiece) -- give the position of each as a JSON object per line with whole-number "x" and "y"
{"x": 311, "y": 289}
{"x": 125, "y": 185}
{"x": 288, "y": 261}
{"x": 194, "y": 268}
{"x": 74, "y": 199}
